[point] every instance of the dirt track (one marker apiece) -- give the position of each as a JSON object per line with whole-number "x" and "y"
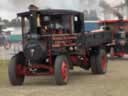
{"x": 114, "y": 83}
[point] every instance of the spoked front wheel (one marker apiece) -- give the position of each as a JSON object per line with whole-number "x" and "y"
{"x": 61, "y": 70}
{"x": 14, "y": 70}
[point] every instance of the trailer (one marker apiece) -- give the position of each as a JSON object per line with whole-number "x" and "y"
{"x": 54, "y": 42}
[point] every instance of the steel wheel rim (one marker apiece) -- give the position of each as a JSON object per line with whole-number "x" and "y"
{"x": 19, "y": 69}
{"x": 104, "y": 62}
{"x": 64, "y": 71}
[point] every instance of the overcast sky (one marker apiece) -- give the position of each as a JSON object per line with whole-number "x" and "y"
{"x": 9, "y": 8}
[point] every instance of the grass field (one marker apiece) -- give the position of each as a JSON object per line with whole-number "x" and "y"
{"x": 82, "y": 83}
{"x": 3, "y": 71}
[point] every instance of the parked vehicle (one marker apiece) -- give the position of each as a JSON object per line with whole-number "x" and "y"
{"x": 54, "y": 42}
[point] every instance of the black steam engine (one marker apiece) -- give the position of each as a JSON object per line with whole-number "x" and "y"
{"x": 54, "y": 41}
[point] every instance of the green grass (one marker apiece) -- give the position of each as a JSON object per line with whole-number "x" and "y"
{"x": 3, "y": 71}
{"x": 2, "y": 62}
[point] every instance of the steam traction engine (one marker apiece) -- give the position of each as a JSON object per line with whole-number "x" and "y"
{"x": 53, "y": 43}
{"x": 119, "y": 29}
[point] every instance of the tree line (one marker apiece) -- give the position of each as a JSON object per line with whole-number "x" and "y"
{"x": 12, "y": 23}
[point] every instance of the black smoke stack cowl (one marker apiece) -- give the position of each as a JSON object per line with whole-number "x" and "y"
{"x": 33, "y": 7}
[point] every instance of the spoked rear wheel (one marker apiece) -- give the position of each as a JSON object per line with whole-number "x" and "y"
{"x": 99, "y": 62}
{"x": 61, "y": 70}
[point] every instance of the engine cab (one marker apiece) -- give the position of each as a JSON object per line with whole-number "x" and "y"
{"x": 45, "y": 30}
